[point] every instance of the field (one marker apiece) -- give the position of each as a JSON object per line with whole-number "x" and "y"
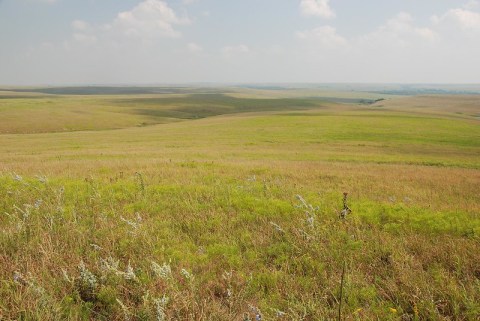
{"x": 224, "y": 203}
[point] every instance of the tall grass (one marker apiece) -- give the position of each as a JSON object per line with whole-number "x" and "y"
{"x": 237, "y": 218}
{"x": 229, "y": 251}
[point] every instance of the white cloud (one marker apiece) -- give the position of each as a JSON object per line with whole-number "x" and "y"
{"x": 400, "y": 31}
{"x": 137, "y": 45}
{"x": 326, "y": 36}
{"x": 464, "y": 18}
{"x": 472, "y": 4}
{"x": 145, "y": 24}
{"x": 229, "y": 50}
{"x": 193, "y": 47}
{"x": 148, "y": 20}
{"x": 85, "y": 39}
{"x": 142, "y": 45}
{"x": 80, "y": 25}
{"x": 320, "y": 8}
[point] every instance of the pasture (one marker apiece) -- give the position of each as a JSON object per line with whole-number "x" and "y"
{"x": 223, "y": 204}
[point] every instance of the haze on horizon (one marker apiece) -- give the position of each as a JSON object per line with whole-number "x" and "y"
{"x": 61, "y": 42}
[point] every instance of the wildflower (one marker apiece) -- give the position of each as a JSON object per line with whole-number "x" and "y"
{"x": 162, "y": 271}
{"x": 302, "y": 200}
{"x": 305, "y": 234}
{"x": 146, "y": 296}
{"x": 66, "y": 277}
{"x": 160, "y": 305}
{"x": 163, "y": 301}
{"x": 346, "y": 210}
{"x": 246, "y": 317}
{"x": 132, "y": 224}
{"x": 38, "y": 203}
{"x": 19, "y": 278}
{"x": 310, "y": 219}
{"x": 227, "y": 275}
{"x": 26, "y": 212}
{"x": 42, "y": 179}
{"x": 96, "y": 247}
{"x": 279, "y": 313}
{"x": 141, "y": 182}
{"x": 38, "y": 290}
{"x": 393, "y": 310}
{"x": 110, "y": 265}
{"x": 129, "y": 274}
{"x": 187, "y": 275}
{"x": 256, "y": 311}
{"x": 87, "y": 277}
{"x": 17, "y": 177}
{"x": 126, "y": 314}
{"x": 277, "y": 227}
{"x": 305, "y": 204}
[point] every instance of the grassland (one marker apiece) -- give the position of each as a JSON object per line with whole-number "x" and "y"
{"x": 227, "y": 204}
{"x": 50, "y": 113}
{"x": 465, "y": 106}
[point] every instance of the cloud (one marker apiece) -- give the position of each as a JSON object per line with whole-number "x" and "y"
{"x": 393, "y": 51}
{"x": 319, "y": 8}
{"x": 80, "y": 25}
{"x": 193, "y": 47}
{"x": 144, "y": 45}
{"x": 465, "y": 19}
{"x": 400, "y": 31}
{"x": 85, "y": 39}
{"x": 472, "y": 4}
{"x": 148, "y": 20}
{"x": 144, "y": 25}
{"x": 326, "y": 36}
{"x": 238, "y": 49}
{"x": 137, "y": 45}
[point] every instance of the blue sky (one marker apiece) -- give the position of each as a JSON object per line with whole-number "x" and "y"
{"x": 250, "y": 41}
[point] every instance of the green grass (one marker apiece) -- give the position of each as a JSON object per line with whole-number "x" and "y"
{"x": 214, "y": 201}
{"x": 55, "y": 113}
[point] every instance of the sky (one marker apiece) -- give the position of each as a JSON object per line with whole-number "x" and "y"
{"x": 76, "y": 42}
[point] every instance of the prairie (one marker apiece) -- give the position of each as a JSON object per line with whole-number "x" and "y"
{"x": 223, "y": 204}
{"x": 73, "y": 113}
{"x": 465, "y": 106}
